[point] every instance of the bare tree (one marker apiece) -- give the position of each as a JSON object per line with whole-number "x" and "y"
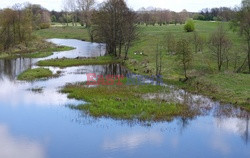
{"x": 115, "y": 25}
{"x": 158, "y": 61}
{"x": 184, "y": 55}
{"x": 170, "y": 43}
{"x": 198, "y": 42}
{"x": 85, "y": 6}
{"x": 220, "y": 44}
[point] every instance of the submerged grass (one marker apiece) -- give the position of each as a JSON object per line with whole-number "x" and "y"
{"x": 77, "y": 62}
{"x": 33, "y": 74}
{"x": 125, "y": 102}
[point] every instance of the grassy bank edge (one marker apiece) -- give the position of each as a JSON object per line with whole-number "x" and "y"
{"x": 66, "y": 62}
{"x": 126, "y": 103}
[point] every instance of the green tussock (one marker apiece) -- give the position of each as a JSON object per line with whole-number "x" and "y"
{"x": 77, "y": 62}
{"x": 125, "y": 102}
{"x": 33, "y": 74}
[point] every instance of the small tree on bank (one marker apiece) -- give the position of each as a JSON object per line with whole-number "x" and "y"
{"x": 184, "y": 55}
{"x": 220, "y": 45}
{"x": 198, "y": 42}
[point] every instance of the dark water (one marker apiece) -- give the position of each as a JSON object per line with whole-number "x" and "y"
{"x": 40, "y": 125}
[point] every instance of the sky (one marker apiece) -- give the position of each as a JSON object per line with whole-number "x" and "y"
{"x": 174, "y": 5}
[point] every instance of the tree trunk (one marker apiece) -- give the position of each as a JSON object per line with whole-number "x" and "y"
{"x": 248, "y": 55}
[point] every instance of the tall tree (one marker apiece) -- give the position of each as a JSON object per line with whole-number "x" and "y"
{"x": 242, "y": 22}
{"x": 115, "y": 25}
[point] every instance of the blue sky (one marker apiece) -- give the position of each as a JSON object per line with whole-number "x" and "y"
{"x": 175, "y": 5}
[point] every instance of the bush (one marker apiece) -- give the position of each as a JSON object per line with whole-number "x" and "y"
{"x": 189, "y": 27}
{"x": 44, "y": 25}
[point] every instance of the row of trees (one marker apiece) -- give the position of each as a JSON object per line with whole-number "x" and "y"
{"x": 76, "y": 11}
{"x": 82, "y": 10}
{"x": 161, "y": 17}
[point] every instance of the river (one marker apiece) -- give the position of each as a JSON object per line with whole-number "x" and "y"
{"x": 39, "y": 124}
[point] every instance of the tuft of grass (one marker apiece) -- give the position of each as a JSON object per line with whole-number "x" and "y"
{"x": 125, "y": 102}
{"x": 77, "y": 62}
{"x": 33, "y": 74}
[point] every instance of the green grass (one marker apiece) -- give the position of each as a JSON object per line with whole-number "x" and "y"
{"x": 125, "y": 102}
{"x": 204, "y": 66}
{"x": 226, "y": 87}
{"x": 69, "y": 32}
{"x": 47, "y": 52}
{"x": 33, "y": 74}
{"x": 77, "y": 62}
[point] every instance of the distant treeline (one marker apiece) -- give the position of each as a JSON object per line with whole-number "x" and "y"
{"x": 215, "y": 14}
{"x": 152, "y": 16}
{"x": 148, "y": 17}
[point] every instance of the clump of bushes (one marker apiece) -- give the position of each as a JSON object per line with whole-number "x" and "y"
{"x": 44, "y": 25}
{"x": 189, "y": 26}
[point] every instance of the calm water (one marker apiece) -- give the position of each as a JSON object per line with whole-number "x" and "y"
{"x": 40, "y": 125}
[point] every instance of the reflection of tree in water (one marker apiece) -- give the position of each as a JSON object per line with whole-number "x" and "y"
{"x": 10, "y": 68}
{"x": 184, "y": 123}
{"x": 114, "y": 69}
{"x": 245, "y": 136}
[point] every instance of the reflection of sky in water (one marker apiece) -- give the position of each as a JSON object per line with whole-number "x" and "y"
{"x": 14, "y": 147}
{"x": 39, "y": 125}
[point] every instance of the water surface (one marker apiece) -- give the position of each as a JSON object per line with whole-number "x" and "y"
{"x": 40, "y": 124}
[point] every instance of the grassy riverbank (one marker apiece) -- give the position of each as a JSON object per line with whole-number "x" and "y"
{"x": 36, "y": 49}
{"x": 126, "y": 102}
{"x": 77, "y": 62}
{"x": 224, "y": 86}
{"x": 33, "y": 74}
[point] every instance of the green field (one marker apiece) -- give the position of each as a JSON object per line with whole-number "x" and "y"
{"x": 230, "y": 87}
{"x": 64, "y": 32}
